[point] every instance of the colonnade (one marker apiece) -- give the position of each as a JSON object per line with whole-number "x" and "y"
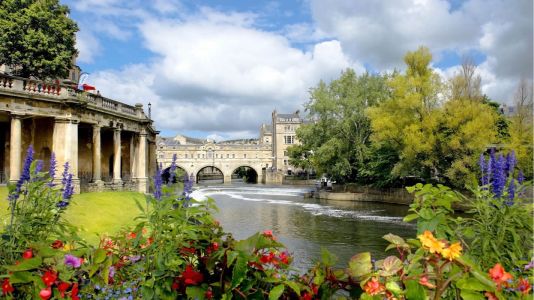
{"x": 65, "y": 147}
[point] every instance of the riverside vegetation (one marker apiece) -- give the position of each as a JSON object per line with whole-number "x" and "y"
{"x": 177, "y": 250}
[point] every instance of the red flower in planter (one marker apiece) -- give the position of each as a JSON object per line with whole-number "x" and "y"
{"x": 499, "y": 275}
{"x": 191, "y": 277}
{"x": 62, "y": 288}
{"x": 57, "y": 244}
{"x": 373, "y": 287}
{"x": 7, "y": 287}
{"x": 131, "y": 235}
{"x": 27, "y": 254}
{"x": 74, "y": 292}
{"x": 45, "y": 294}
{"x": 524, "y": 286}
{"x": 49, "y": 277}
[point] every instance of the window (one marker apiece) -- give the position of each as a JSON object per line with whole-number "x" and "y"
{"x": 285, "y": 162}
{"x": 245, "y": 155}
{"x": 289, "y": 139}
{"x": 216, "y": 155}
{"x": 285, "y": 153}
{"x": 233, "y": 155}
{"x": 203, "y": 155}
{"x": 227, "y": 155}
{"x": 186, "y": 156}
{"x": 198, "y": 155}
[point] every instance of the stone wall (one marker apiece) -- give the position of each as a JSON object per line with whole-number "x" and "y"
{"x": 367, "y": 194}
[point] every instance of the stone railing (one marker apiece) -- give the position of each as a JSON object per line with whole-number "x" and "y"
{"x": 67, "y": 93}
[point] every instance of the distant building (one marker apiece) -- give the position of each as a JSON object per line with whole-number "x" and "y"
{"x": 267, "y": 155}
{"x": 284, "y": 127}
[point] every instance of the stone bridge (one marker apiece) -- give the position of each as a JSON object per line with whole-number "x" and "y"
{"x": 226, "y": 157}
{"x": 108, "y": 144}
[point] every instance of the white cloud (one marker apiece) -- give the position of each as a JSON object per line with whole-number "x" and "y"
{"x": 381, "y": 32}
{"x": 216, "y": 73}
{"x": 88, "y": 46}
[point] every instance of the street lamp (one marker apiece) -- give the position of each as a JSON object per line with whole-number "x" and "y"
{"x": 149, "y": 111}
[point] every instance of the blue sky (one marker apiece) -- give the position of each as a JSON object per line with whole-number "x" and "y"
{"x": 219, "y": 68}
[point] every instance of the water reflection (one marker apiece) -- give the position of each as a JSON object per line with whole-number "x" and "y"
{"x": 305, "y": 225}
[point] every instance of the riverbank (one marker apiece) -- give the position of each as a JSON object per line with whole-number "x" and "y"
{"x": 367, "y": 194}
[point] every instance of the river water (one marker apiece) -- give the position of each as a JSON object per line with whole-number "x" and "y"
{"x": 305, "y": 225}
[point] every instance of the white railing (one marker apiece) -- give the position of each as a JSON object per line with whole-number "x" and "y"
{"x": 65, "y": 92}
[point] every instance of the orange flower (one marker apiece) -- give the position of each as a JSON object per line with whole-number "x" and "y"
{"x": 430, "y": 242}
{"x": 491, "y": 296}
{"x": 452, "y": 252}
{"x": 524, "y": 286}
{"x": 373, "y": 287}
{"x": 499, "y": 275}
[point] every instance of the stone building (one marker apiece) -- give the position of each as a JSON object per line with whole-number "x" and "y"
{"x": 266, "y": 155}
{"x": 284, "y": 128}
{"x": 109, "y": 144}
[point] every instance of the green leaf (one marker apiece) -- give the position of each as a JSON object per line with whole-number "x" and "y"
{"x": 147, "y": 292}
{"x": 410, "y": 217}
{"x": 25, "y": 265}
{"x": 22, "y": 277}
{"x": 414, "y": 291}
{"x": 472, "y": 284}
{"x": 394, "y": 287}
{"x": 294, "y": 286}
{"x": 276, "y": 292}
{"x": 390, "y": 266}
{"x": 471, "y": 295}
{"x": 195, "y": 292}
{"x": 232, "y": 255}
{"x": 360, "y": 265}
{"x": 99, "y": 256}
{"x": 484, "y": 280}
{"x": 240, "y": 271}
{"x": 327, "y": 258}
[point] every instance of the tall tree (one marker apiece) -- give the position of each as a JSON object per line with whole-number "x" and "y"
{"x": 336, "y": 140}
{"x": 405, "y": 123}
{"x": 37, "y": 38}
{"x": 521, "y": 127}
{"x": 466, "y": 84}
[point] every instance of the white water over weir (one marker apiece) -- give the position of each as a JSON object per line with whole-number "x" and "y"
{"x": 305, "y": 225}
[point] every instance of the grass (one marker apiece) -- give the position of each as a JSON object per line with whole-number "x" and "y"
{"x": 94, "y": 213}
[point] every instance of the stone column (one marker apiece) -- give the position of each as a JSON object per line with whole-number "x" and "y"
{"x": 97, "y": 159}
{"x": 65, "y": 147}
{"x": 142, "y": 180}
{"x": 117, "y": 156}
{"x": 15, "y": 150}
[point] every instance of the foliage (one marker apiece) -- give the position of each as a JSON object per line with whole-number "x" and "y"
{"x": 336, "y": 140}
{"x": 177, "y": 250}
{"x": 37, "y": 38}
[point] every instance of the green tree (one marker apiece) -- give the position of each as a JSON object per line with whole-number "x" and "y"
{"x": 336, "y": 139}
{"x": 37, "y": 38}
{"x": 406, "y": 122}
{"x": 521, "y": 127}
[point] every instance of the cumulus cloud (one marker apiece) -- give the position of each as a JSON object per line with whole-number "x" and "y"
{"x": 88, "y": 46}
{"x": 216, "y": 72}
{"x": 381, "y": 32}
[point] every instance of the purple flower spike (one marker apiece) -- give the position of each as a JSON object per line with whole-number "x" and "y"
{"x": 499, "y": 179}
{"x": 73, "y": 261}
{"x": 39, "y": 166}
{"x": 530, "y": 265}
{"x": 158, "y": 182}
{"x": 520, "y": 177}
{"x": 52, "y": 170}
{"x": 25, "y": 176}
{"x": 510, "y": 164}
{"x": 511, "y": 193}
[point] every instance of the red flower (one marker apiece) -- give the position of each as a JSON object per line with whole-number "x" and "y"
{"x": 62, "y": 288}
{"x": 306, "y": 296}
{"x": 213, "y": 247}
{"x": 131, "y": 235}
{"x": 284, "y": 257}
{"x": 266, "y": 258}
{"x": 424, "y": 281}
{"x": 491, "y": 296}
{"x": 74, "y": 292}
{"x": 27, "y": 254}
{"x": 175, "y": 285}
{"x": 524, "y": 286}
{"x": 499, "y": 275}
{"x": 57, "y": 244}
{"x": 209, "y": 294}
{"x": 45, "y": 294}
{"x": 7, "y": 287}
{"x": 49, "y": 278}
{"x": 187, "y": 251}
{"x": 373, "y": 287}
{"x": 255, "y": 265}
{"x": 191, "y": 277}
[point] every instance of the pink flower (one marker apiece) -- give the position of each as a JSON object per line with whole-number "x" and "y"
{"x": 73, "y": 261}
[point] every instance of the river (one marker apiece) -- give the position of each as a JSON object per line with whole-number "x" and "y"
{"x": 305, "y": 225}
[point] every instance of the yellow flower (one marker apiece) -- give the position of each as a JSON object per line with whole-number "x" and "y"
{"x": 430, "y": 242}
{"x": 452, "y": 252}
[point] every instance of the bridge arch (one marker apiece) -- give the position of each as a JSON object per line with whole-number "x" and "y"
{"x": 222, "y": 174}
{"x": 251, "y": 173}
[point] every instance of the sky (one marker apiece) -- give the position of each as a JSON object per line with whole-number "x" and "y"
{"x": 218, "y": 69}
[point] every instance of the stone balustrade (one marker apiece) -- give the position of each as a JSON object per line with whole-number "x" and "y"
{"x": 56, "y": 91}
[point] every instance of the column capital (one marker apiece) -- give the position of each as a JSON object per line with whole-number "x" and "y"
{"x": 97, "y": 126}
{"x": 117, "y": 129}
{"x": 15, "y": 115}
